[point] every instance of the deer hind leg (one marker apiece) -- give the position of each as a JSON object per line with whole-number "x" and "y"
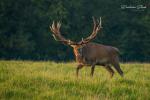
{"x": 92, "y": 69}
{"x": 78, "y": 68}
{"x": 117, "y": 67}
{"x": 110, "y": 70}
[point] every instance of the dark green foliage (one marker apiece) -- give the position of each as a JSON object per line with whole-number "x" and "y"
{"x": 25, "y": 34}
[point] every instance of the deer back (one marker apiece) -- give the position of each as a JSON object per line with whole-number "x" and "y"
{"x": 98, "y": 53}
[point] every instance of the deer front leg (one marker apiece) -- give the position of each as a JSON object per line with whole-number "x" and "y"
{"x": 78, "y": 68}
{"x": 92, "y": 69}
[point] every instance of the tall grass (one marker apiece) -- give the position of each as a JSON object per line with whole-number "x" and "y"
{"x": 54, "y": 81}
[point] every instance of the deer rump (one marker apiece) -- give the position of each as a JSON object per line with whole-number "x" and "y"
{"x": 97, "y": 54}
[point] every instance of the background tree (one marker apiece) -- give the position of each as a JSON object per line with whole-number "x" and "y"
{"x": 25, "y": 34}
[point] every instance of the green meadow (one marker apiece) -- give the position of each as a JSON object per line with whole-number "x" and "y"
{"x": 47, "y": 80}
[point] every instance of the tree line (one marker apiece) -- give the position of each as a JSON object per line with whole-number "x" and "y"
{"x": 25, "y": 33}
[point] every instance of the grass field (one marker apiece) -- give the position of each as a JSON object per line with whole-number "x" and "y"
{"x": 54, "y": 81}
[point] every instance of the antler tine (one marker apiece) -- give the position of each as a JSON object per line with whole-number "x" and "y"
{"x": 94, "y": 22}
{"x": 58, "y": 25}
{"x": 54, "y": 37}
{"x": 53, "y": 29}
{"x": 100, "y": 23}
{"x": 53, "y": 25}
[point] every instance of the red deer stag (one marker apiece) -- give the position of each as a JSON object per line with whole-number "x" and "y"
{"x": 90, "y": 54}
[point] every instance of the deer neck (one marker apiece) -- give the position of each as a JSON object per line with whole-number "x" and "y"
{"x": 78, "y": 54}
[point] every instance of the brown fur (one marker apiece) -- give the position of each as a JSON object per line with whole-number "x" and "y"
{"x": 92, "y": 54}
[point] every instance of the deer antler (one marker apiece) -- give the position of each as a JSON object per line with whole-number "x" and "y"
{"x": 55, "y": 28}
{"x": 96, "y": 28}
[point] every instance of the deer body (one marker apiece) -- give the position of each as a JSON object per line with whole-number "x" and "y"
{"x": 91, "y": 54}
{"x": 97, "y": 54}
